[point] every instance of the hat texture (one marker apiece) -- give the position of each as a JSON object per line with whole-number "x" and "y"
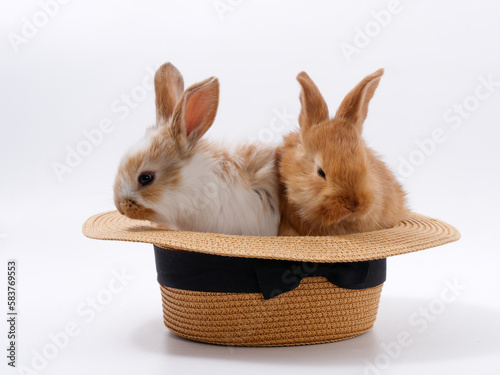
{"x": 316, "y": 312}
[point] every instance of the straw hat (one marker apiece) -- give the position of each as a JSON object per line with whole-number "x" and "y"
{"x": 315, "y": 309}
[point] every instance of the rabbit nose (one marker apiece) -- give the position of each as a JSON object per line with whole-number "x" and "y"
{"x": 351, "y": 203}
{"x": 126, "y": 206}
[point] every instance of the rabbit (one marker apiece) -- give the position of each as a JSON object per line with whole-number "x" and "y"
{"x": 176, "y": 179}
{"x": 331, "y": 183}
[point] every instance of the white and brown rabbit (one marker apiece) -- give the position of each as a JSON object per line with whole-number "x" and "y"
{"x": 331, "y": 182}
{"x": 175, "y": 179}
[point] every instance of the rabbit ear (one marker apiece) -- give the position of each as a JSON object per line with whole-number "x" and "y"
{"x": 169, "y": 86}
{"x": 354, "y": 107}
{"x": 314, "y": 108}
{"x": 195, "y": 112}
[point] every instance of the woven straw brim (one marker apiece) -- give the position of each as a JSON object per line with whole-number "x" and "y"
{"x": 416, "y": 232}
{"x": 316, "y": 312}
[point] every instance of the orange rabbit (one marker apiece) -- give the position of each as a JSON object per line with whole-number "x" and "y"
{"x": 331, "y": 182}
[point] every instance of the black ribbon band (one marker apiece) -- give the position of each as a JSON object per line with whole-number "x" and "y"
{"x": 213, "y": 273}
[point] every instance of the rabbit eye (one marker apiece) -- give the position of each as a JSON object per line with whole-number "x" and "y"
{"x": 146, "y": 178}
{"x": 321, "y": 173}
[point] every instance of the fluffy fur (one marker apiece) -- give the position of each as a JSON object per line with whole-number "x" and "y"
{"x": 198, "y": 185}
{"x": 357, "y": 192}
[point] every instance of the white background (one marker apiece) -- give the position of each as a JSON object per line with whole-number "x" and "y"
{"x": 72, "y": 74}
